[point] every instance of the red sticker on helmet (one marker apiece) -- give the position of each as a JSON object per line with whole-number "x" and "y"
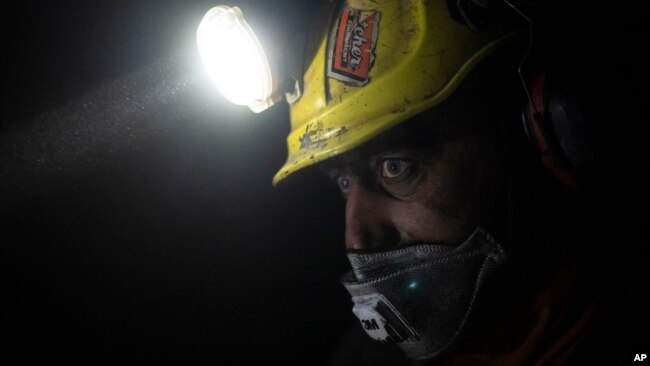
{"x": 352, "y": 45}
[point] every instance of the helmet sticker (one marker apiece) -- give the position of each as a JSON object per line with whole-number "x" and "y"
{"x": 351, "y": 46}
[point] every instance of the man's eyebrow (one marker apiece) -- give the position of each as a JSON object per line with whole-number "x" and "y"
{"x": 342, "y": 162}
{"x": 398, "y": 152}
{"x": 365, "y": 160}
{"x": 333, "y": 168}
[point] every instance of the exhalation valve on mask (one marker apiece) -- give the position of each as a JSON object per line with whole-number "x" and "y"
{"x": 381, "y": 321}
{"x": 421, "y": 296}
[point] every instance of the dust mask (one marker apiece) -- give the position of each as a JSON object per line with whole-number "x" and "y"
{"x": 421, "y": 296}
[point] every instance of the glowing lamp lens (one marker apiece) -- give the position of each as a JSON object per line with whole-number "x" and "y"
{"x": 233, "y": 56}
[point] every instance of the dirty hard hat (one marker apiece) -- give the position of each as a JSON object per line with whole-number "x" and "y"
{"x": 370, "y": 65}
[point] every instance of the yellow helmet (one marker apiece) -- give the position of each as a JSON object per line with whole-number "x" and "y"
{"x": 376, "y": 64}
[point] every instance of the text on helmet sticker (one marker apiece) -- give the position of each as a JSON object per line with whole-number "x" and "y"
{"x": 352, "y": 44}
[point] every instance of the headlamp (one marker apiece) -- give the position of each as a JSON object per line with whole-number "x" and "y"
{"x": 235, "y": 60}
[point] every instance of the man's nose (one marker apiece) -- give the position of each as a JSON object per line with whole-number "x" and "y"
{"x": 368, "y": 223}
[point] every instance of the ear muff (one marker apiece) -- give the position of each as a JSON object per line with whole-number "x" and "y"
{"x": 559, "y": 128}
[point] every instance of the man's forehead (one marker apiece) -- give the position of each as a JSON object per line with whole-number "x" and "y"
{"x": 427, "y": 131}
{"x": 393, "y": 141}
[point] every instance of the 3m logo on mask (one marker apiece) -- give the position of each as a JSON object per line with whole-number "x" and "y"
{"x": 351, "y": 46}
{"x": 381, "y": 321}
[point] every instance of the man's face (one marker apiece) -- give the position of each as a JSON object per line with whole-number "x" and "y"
{"x": 412, "y": 186}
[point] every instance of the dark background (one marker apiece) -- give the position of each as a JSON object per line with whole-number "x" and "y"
{"x": 138, "y": 220}
{"x": 139, "y": 223}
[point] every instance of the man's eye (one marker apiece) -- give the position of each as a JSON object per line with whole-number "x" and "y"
{"x": 393, "y": 168}
{"x": 344, "y": 182}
